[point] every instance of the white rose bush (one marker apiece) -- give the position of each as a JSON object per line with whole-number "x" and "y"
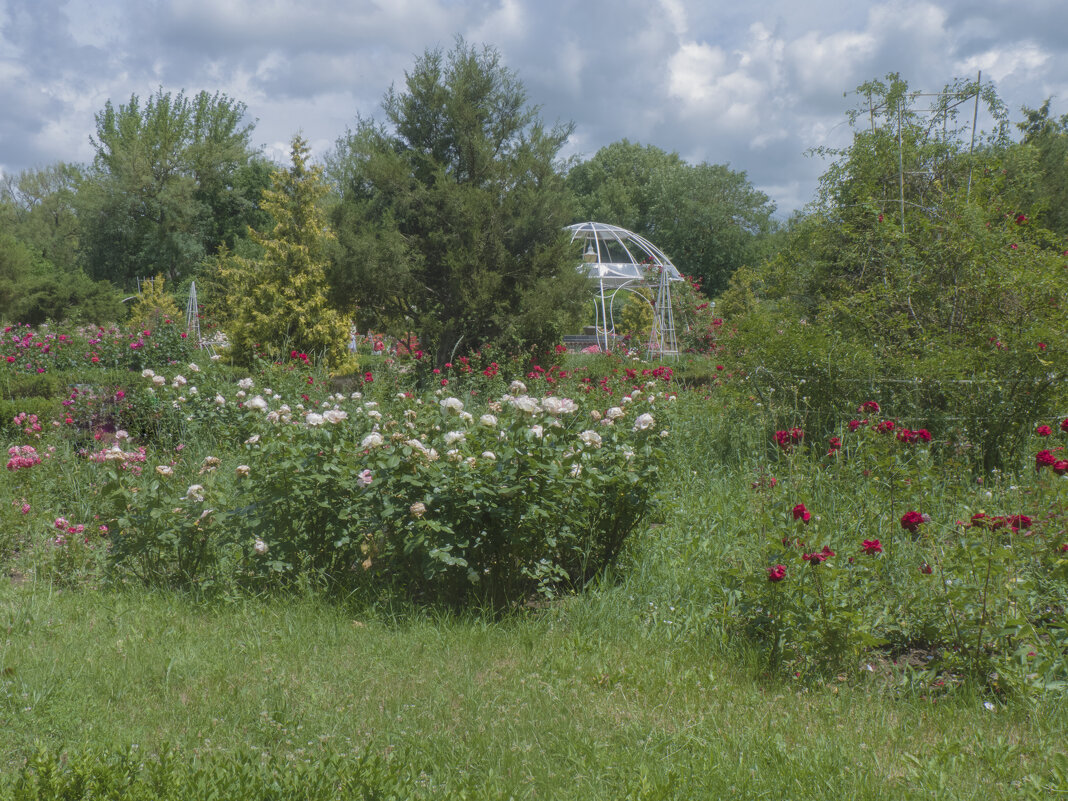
{"x": 514, "y": 494}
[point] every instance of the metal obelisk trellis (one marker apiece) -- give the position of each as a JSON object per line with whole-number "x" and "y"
{"x": 662, "y": 334}
{"x": 192, "y": 315}
{"x": 192, "y": 321}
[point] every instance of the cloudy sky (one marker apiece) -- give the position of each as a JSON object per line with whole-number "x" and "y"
{"x": 753, "y": 85}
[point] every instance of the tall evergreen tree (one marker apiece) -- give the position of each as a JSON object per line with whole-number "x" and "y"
{"x": 451, "y": 214}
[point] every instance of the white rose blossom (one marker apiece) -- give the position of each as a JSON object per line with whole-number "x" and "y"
{"x": 489, "y": 456}
{"x": 372, "y": 440}
{"x": 537, "y": 431}
{"x": 244, "y": 383}
{"x": 242, "y": 470}
{"x": 195, "y": 493}
{"x": 526, "y": 404}
{"x": 590, "y": 438}
{"x": 165, "y": 470}
{"x": 452, "y": 437}
{"x": 257, "y": 403}
{"x": 147, "y": 373}
{"x": 417, "y": 509}
{"x": 253, "y": 439}
{"x": 517, "y": 387}
{"x": 454, "y": 405}
{"x": 644, "y": 421}
{"x": 335, "y": 416}
{"x": 259, "y": 546}
{"x": 488, "y": 420}
{"x": 220, "y": 400}
{"x": 193, "y": 368}
{"x": 179, "y": 381}
{"x": 313, "y": 419}
{"x": 614, "y": 413}
{"x": 159, "y": 380}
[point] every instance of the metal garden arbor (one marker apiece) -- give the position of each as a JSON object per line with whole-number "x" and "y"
{"x": 623, "y": 261}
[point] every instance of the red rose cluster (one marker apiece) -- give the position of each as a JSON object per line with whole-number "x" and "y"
{"x": 777, "y": 573}
{"x": 908, "y": 436}
{"x": 787, "y": 439}
{"x": 911, "y": 521}
{"x": 801, "y": 513}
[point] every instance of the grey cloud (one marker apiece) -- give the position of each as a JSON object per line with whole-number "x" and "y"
{"x": 757, "y": 97}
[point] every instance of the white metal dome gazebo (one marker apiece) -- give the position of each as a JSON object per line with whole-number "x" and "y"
{"x": 621, "y": 260}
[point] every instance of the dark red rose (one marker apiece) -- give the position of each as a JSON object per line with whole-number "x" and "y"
{"x": 911, "y": 521}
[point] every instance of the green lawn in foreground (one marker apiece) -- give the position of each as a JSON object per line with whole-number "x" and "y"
{"x": 583, "y": 700}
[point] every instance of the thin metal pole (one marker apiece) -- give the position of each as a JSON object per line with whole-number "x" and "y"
{"x": 900, "y": 166}
{"x": 971, "y": 147}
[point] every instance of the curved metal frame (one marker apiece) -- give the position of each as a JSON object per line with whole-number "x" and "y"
{"x": 619, "y": 275}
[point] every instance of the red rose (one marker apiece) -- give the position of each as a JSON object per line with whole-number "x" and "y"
{"x": 1064, "y": 425}
{"x": 872, "y": 546}
{"x": 926, "y": 569}
{"x": 1018, "y": 522}
{"x": 1060, "y": 467}
{"x": 817, "y": 558}
{"x": 1044, "y": 459}
{"x": 777, "y": 573}
{"x": 868, "y": 406}
{"x": 801, "y": 513}
{"x": 911, "y": 521}
{"x": 1043, "y": 431}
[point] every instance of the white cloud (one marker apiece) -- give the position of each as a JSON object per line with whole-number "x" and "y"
{"x": 719, "y": 81}
{"x": 1021, "y": 60}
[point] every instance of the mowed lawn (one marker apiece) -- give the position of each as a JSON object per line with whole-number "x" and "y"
{"x": 583, "y": 699}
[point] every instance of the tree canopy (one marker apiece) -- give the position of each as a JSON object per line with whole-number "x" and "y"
{"x": 707, "y": 218}
{"x": 172, "y": 180}
{"x": 451, "y": 213}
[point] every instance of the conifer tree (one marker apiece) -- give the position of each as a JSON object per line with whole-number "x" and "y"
{"x": 277, "y": 302}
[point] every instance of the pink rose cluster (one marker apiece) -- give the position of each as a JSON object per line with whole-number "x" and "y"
{"x": 22, "y": 456}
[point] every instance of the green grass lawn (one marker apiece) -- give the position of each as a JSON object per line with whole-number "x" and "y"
{"x": 581, "y": 700}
